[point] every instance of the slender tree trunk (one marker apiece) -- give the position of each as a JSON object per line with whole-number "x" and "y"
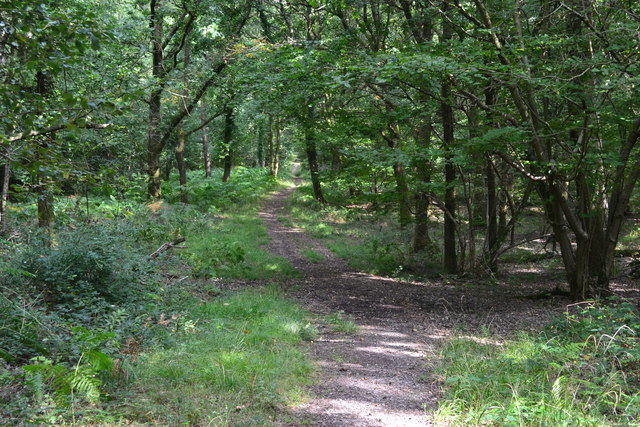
{"x": 312, "y": 155}
{"x": 492, "y": 245}
{"x": 402, "y": 188}
{"x": 446, "y": 111}
{"x": 182, "y": 169}
{"x": 404, "y": 209}
{"x": 275, "y": 158}
{"x": 4, "y": 195}
{"x": 44, "y": 83}
{"x": 260, "y": 142}
{"x": 180, "y": 147}
{"x": 154, "y": 143}
{"x": 227, "y": 143}
{"x": 270, "y": 142}
{"x": 336, "y": 161}
{"x": 421, "y": 239}
{"x": 206, "y": 155}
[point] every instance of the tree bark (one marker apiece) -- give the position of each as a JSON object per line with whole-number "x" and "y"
{"x": 260, "y": 143}
{"x": 399, "y": 174}
{"x": 269, "y": 160}
{"x": 275, "y": 158}
{"x": 180, "y": 147}
{"x": 206, "y": 155}
{"x": 4, "y": 195}
{"x": 227, "y": 140}
{"x": 421, "y": 239}
{"x": 180, "y": 165}
{"x": 44, "y": 83}
{"x": 154, "y": 143}
{"x": 492, "y": 245}
{"x": 446, "y": 112}
{"x": 312, "y": 155}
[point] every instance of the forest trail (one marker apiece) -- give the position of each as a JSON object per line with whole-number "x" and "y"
{"x": 383, "y": 374}
{"x": 377, "y": 376}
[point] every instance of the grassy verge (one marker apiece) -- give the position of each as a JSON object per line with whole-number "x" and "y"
{"x": 93, "y": 331}
{"x": 236, "y": 365}
{"x": 230, "y": 247}
{"x": 581, "y": 370}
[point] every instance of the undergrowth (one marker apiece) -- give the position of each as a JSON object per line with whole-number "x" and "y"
{"x": 82, "y": 303}
{"x": 583, "y": 369}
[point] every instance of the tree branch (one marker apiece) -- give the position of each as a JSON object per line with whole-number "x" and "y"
{"x": 21, "y": 136}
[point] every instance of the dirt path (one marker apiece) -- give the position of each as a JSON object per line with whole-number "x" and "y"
{"x": 383, "y": 375}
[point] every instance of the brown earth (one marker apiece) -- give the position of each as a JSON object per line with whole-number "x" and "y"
{"x": 383, "y": 375}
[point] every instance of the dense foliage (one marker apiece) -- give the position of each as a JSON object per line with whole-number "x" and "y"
{"x": 442, "y": 126}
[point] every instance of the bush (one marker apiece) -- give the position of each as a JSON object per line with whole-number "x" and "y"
{"x": 88, "y": 269}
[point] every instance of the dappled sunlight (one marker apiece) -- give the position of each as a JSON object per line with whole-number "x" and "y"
{"x": 359, "y": 276}
{"x": 370, "y": 413}
{"x": 482, "y": 340}
{"x": 382, "y": 332}
{"x": 391, "y": 352}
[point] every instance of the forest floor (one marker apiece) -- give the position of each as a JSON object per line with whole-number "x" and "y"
{"x": 383, "y": 374}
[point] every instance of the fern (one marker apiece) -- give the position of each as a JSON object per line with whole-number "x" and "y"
{"x": 83, "y": 380}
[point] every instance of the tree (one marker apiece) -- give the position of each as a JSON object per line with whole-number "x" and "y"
{"x": 576, "y": 109}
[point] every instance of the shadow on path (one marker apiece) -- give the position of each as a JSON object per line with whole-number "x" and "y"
{"x": 382, "y": 375}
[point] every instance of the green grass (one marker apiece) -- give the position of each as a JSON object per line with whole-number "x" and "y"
{"x": 313, "y": 256}
{"x": 230, "y": 246}
{"x": 239, "y": 366}
{"x": 582, "y": 370}
{"x": 341, "y": 324}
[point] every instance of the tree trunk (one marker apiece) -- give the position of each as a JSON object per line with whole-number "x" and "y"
{"x": 404, "y": 209}
{"x": 44, "y": 83}
{"x": 402, "y": 188}
{"x": 227, "y": 143}
{"x": 275, "y": 158}
{"x": 4, "y": 195}
{"x": 421, "y": 239}
{"x": 205, "y": 139}
{"x": 45, "y": 206}
{"x": 270, "y": 142}
{"x": 491, "y": 246}
{"x": 154, "y": 143}
{"x": 180, "y": 164}
{"x": 182, "y": 169}
{"x": 446, "y": 111}
{"x": 260, "y": 142}
{"x": 336, "y": 160}
{"x": 312, "y": 155}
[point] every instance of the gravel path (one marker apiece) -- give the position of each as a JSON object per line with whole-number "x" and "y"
{"x": 383, "y": 374}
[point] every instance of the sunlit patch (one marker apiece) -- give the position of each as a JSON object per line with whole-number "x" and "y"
{"x": 359, "y": 412}
{"x": 482, "y": 340}
{"x": 393, "y": 352}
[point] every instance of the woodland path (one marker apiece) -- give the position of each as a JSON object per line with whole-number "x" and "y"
{"x": 383, "y": 374}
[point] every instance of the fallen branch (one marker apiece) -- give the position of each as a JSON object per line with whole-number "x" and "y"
{"x": 166, "y": 247}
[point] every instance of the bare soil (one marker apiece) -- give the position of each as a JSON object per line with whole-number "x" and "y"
{"x": 383, "y": 375}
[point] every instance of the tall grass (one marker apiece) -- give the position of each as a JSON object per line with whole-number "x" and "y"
{"x": 582, "y": 370}
{"x": 239, "y": 365}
